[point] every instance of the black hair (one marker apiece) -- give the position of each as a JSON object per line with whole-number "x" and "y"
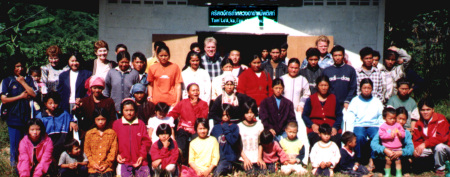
{"x": 325, "y": 129}
{"x": 365, "y": 51}
{"x": 77, "y": 56}
{"x": 255, "y": 56}
{"x": 161, "y": 48}
{"x": 139, "y": 55}
{"x": 68, "y": 146}
{"x": 388, "y": 110}
{"x": 227, "y": 109}
{"x": 188, "y": 60}
{"x": 163, "y": 129}
{"x": 158, "y": 44}
{"x": 266, "y": 137}
{"x": 201, "y": 121}
{"x": 338, "y": 48}
{"x": 13, "y": 60}
{"x": 322, "y": 78}
{"x": 34, "y": 69}
{"x": 294, "y": 60}
{"x": 365, "y": 81}
{"x": 52, "y": 95}
{"x": 425, "y": 101}
{"x": 401, "y": 110}
{"x": 122, "y": 55}
{"x": 121, "y": 46}
{"x": 312, "y": 52}
{"x": 225, "y": 62}
{"x": 389, "y": 53}
{"x": 277, "y": 81}
{"x": 402, "y": 81}
{"x": 128, "y": 102}
{"x": 274, "y": 47}
{"x": 194, "y": 45}
{"x": 251, "y": 105}
{"x": 99, "y": 111}
{"x": 292, "y": 124}
{"x": 284, "y": 46}
{"x": 376, "y": 54}
{"x": 162, "y": 107}
{"x": 37, "y": 122}
{"x": 347, "y": 137}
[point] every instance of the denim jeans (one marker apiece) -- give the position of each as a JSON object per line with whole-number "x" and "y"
{"x": 362, "y": 133}
{"x": 15, "y": 135}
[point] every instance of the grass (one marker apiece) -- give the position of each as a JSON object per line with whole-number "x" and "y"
{"x": 6, "y": 170}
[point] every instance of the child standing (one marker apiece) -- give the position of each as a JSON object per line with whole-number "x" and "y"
{"x": 161, "y": 110}
{"x": 204, "y": 152}
{"x": 227, "y": 135}
{"x": 325, "y": 153}
{"x": 250, "y": 129}
{"x": 133, "y": 140}
{"x": 403, "y": 99}
{"x": 101, "y": 145}
{"x": 294, "y": 149}
{"x": 271, "y": 154}
{"x": 391, "y": 135}
{"x": 35, "y": 73}
{"x": 164, "y": 151}
{"x": 35, "y": 150}
{"x": 348, "y": 164}
{"x": 72, "y": 162}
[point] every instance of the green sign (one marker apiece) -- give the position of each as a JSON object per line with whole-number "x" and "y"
{"x": 230, "y": 15}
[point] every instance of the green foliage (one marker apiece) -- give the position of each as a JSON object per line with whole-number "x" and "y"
{"x": 426, "y": 37}
{"x": 30, "y": 29}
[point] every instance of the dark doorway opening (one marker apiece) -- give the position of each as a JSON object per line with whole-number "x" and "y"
{"x": 247, "y": 44}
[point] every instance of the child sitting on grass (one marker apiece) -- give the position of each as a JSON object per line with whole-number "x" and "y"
{"x": 72, "y": 162}
{"x": 204, "y": 152}
{"x": 325, "y": 154}
{"x": 164, "y": 151}
{"x": 227, "y": 135}
{"x": 348, "y": 164}
{"x": 294, "y": 149}
{"x": 271, "y": 154}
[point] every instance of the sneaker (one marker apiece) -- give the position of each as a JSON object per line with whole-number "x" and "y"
{"x": 440, "y": 173}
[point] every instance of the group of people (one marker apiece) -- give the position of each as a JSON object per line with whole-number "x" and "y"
{"x": 216, "y": 115}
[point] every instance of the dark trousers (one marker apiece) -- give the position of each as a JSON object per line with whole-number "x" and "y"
{"x": 80, "y": 171}
{"x": 183, "y": 139}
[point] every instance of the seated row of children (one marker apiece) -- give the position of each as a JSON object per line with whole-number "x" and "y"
{"x": 128, "y": 142}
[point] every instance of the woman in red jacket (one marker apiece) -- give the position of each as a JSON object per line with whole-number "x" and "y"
{"x": 255, "y": 82}
{"x": 430, "y": 137}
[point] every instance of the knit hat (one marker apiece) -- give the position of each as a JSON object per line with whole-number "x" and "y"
{"x": 96, "y": 81}
{"x": 138, "y": 87}
{"x": 227, "y": 78}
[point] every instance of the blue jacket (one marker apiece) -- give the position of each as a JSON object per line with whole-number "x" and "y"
{"x": 18, "y": 112}
{"x": 342, "y": 82}
{"x": 63, "y": 87}
{"x": 378, "y": 148}
{"x": 228, "y": 137}
{"x": 55, "y": 124}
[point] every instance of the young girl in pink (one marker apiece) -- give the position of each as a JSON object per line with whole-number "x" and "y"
{"x": 35, "y": 150}
{"x": 391, "y": 135}
{"x": 272, "y": 153}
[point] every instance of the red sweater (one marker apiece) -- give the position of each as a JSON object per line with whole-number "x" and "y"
{"x": 189, "y": 113}
{"x": 438, "y": 131}
{"x": 253, "y": 86}
{"x": 133, "y": 140}
{"x": 167, "y": 155}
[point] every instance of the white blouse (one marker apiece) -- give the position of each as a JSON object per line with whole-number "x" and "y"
{"x": 200, "y": 77}
{"x": 296, "y": 89}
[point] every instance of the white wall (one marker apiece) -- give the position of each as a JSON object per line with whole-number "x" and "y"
{"x": 353, "y": 27}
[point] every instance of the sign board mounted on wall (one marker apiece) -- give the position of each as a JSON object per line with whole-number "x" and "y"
{"x": 231, "y": 15}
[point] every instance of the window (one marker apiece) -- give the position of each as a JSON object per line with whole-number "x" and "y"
{"x": 175, "y": 2}
{"x": 336, "y": 2}
{"x": 313, "y": 2}
{"x": 360, "y": 2}
{"x": 158, "y": 2}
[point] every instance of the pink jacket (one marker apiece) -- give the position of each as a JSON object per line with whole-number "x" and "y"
{"x": 43, "y": 154}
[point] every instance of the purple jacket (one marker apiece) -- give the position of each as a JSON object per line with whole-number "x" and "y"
{"x": 43, "y": 155}
{"x": 276, "y": 118}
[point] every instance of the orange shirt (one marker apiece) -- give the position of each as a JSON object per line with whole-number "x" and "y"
{"x": 164, "y": 80}
{"x": 101, "y": 150}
